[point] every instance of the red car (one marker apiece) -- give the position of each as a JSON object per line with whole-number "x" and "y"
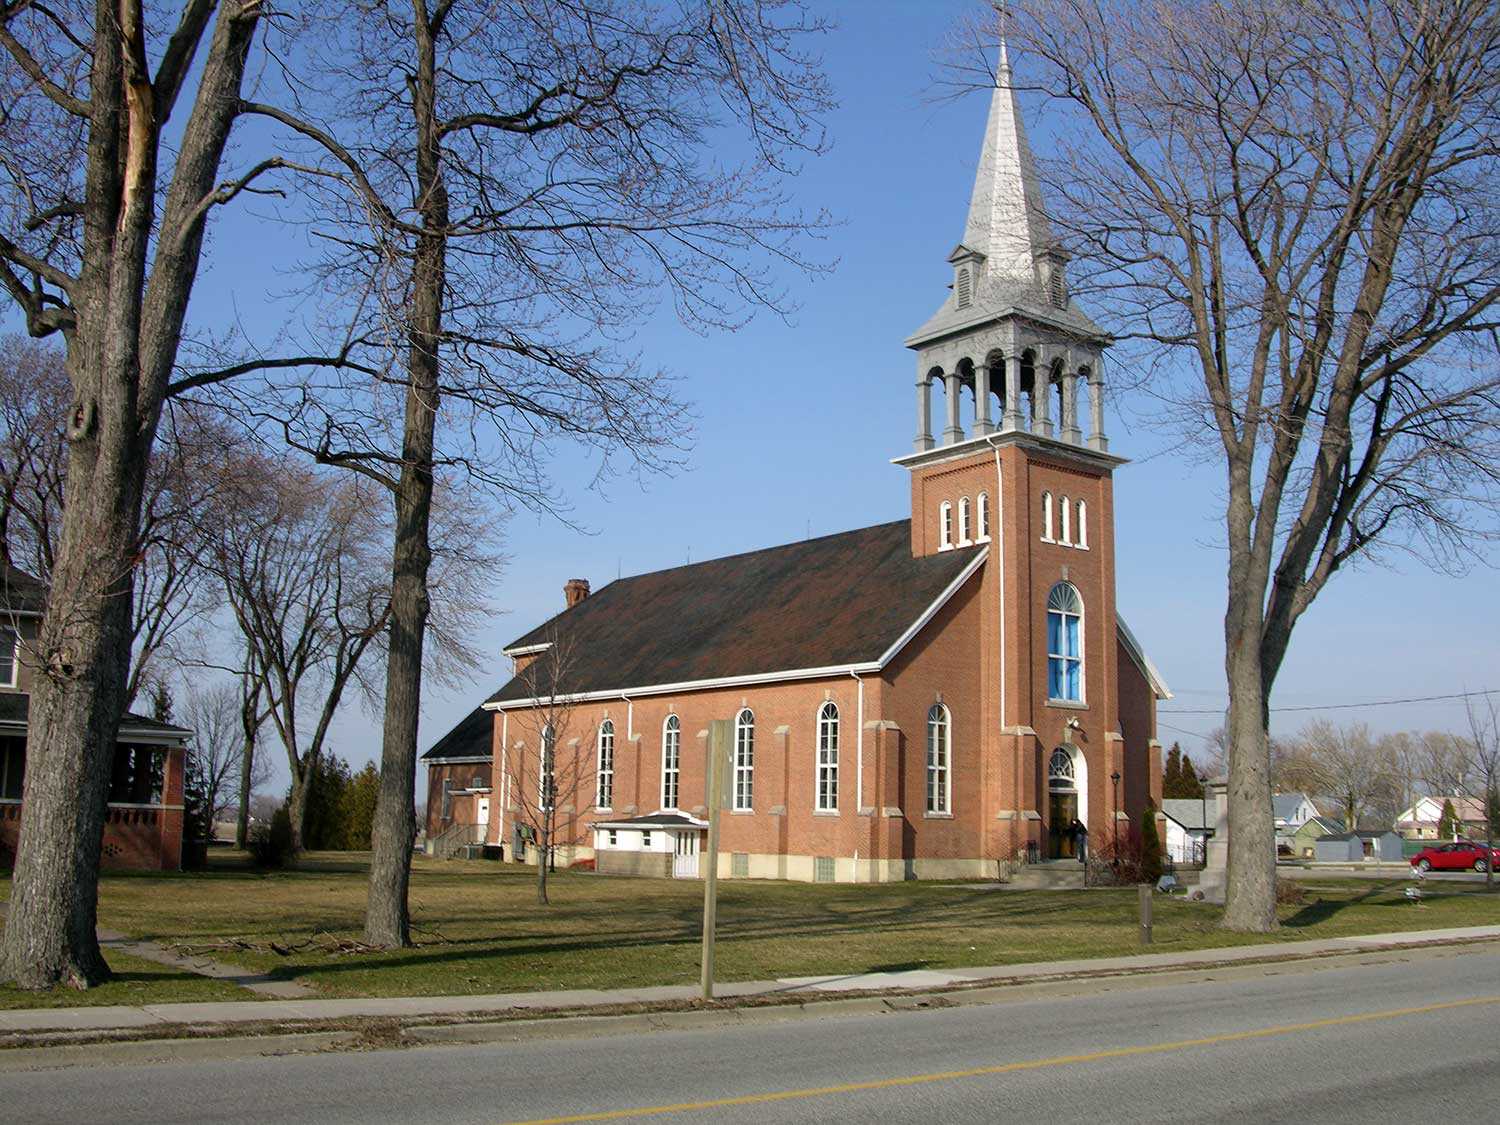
{"x": 1461, "y": 855}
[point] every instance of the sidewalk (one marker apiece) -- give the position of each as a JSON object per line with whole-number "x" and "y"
{"x": 299, "y": 1011}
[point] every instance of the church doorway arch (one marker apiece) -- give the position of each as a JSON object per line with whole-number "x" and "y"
{"x": 1067, "y": 800}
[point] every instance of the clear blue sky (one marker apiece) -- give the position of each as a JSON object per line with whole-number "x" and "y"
{"x": 796, "y": 424}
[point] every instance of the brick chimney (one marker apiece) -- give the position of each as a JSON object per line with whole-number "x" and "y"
{"x": 575, "y": 590}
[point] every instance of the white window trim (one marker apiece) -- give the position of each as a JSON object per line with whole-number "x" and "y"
{"x": 15, "y": 658}
{"x": 1083, "y": 526}
{"x": 604, "y": 776}
{"x": 947, "y": 767}
{"x": 983, "y": 526}
{"x": 746, "y": 768}
{"x": 819, "y": 765}
{"x": 945, "y": 526}
{"x": 1067, "y": 521}
{"x": 1083, "y": 667}
{"x": 964, "y": 529}
{"x": 1047, "y": 518}
{"x": 676, "y": 771}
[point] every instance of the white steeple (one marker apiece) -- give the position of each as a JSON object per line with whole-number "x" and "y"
{"x": 1009, "y": 328}
{"x": 1006, "y": 222}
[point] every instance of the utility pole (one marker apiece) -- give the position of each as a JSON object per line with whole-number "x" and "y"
{"x": 717, "y": 769}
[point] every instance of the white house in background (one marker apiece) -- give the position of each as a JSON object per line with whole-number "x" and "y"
{"x": 1190, "y": 822}
{"x": 1420, "y": 822}
{"x": 1290, "y": 812}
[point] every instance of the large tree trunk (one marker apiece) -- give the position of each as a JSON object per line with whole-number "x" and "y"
{"x": 387, "y": 916}
{"x": 121, "y": 349}
{"x": 296, "y": 802}
{"x": 1251, "y": 902}
{"x": 247, "y": 765}
{"x": 75, "y": 710}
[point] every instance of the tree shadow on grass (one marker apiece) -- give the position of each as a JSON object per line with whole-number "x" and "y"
{"x": 1321, "y": 909}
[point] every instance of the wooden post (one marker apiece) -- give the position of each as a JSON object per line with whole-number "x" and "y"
{"x": 717, "y": 767}
{"x": 1145, "y": 890}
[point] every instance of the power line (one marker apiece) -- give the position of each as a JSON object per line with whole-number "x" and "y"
{"x": 1348, "y": 706}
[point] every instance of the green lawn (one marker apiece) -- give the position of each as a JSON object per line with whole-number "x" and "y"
{"x": 481, "y": 931}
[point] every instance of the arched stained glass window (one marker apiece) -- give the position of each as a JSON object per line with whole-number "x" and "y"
{"x": 671, "y": 761}
{"x": 1065, "y": 644}
{"x": 605, "y": 795}
{"x": 744, "y": 760}
{"x": 828, "y": 758}
{"x": 939, "y": 760}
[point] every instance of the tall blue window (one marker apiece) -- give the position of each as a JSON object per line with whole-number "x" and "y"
{"x": 1065, "y": 644}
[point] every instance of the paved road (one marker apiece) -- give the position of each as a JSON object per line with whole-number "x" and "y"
{"x": 1399, "y": 1037}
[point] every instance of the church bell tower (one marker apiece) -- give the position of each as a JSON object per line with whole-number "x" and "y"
{"x": 1020, "y": 471}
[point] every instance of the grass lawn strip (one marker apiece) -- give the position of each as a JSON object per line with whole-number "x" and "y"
{"x": 136, "y": 981}
{"x": 481, "y": 931}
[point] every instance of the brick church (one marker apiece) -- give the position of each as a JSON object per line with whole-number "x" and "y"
{"x": 919, "y": 699}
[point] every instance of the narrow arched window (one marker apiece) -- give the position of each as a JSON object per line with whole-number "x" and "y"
{"x": 1046, "y": 517}
{"x": 1083, "y": 525}
{"x": 939, "y": 760}
{"x": 1065, "y": 644}
{"x": 671, "y": 761}
{"x": 1067, "y": 522}
{"x": 744, "y": 760}
{"x": 945, "y": 525}
{"x": 828, "y": 758}
{"x": 546, "y": 780}
{"x": 604, "y": 797}
{"x": 965, "y": 288}
{"x": 984, "y": 517}
{"x": 963, "y": 522}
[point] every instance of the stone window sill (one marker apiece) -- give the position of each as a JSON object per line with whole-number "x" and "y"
{"x": 937, "y": 816}
{"x": 1068, "y": 704}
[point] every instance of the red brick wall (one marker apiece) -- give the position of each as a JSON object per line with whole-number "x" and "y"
{"x": 461, "y": 805}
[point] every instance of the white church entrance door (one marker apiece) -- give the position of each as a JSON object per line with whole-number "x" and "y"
{"x": 1062, "y": 806}
{"x": 685, "y": 855}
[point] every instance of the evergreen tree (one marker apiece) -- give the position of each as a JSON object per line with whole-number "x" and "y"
{"x": 357, "y": 809}
{"x": 328, "y": 778}
{"x": 1150, "y": 846}
{"x": 1448, "y": 822}
{"x": 1171, "y": 774}
{"x": 161, "y": 701}
{"x": 1191, "y": 784}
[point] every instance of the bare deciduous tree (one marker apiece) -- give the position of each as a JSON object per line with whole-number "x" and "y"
{"x": 1484, "y": 772}
{"x": 1288, "y": 211}
{"x": 512, "y": 186}
{"x": 1346, "y": 763}
{"x": 553, "y": 772}
{"x": 171, "y": 591}
{"x": 298, "y": 559}
{"x": 106, "y": 194}
{"x": 213, "y": 715}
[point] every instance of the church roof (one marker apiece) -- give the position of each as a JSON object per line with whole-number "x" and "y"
{"x": 1007, "y": 224}
{"x": 835, "y": 602}
{"x": 469, "y": 739}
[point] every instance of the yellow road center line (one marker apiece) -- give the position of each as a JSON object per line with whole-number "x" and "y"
{"x": 1009, "y": 1068}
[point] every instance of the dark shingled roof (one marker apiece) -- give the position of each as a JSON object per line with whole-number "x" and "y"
{"x": 15, "y": 706}
{"x": 836, "y": 600}
{"x": 469, "y": 739}
{"x": 20, "y": 591}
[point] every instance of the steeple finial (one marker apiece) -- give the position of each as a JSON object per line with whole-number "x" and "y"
{"x": 1002, "y": 72}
